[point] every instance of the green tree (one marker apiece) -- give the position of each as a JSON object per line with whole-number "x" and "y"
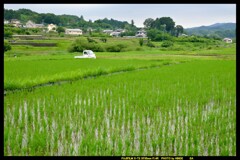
{"x": 160, "y": 24}
{"x": 148, "y": 23}
{"x": 132, "y": 23}
{"x": 157, "y": 35}
{"x": 179, "y": 29}
{"x": 60, "y": 30}
{"x": 151, "y": 34}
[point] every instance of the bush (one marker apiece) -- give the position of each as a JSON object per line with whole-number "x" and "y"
{"x": 192, "y": 39}
{"x": 116, "y": 48}
{"x": 141, "y": 42}
{"x": 167, "y": 44}
{"x": 104, "y": 40}
{"x": 8, "y": 34}
{"x": 113, "y": 48}
{"x": 95, "y": 34}
{"x": 7, "y": 46}
{"x": 150, "y": 44}
{"x": 61, "y": 34}
{"x": 79, "y": 45}
{"x": 139, "y": 49}
{"x": 90, "y": 40}
{"x": 60, "y": 30}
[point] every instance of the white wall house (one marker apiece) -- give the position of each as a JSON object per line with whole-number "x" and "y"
{"x": 183, "y": 35}
{"x": 141, "y": 33}
{"x": 6, "y": 21}
{"x": 52, "y": 27}
{"x": 115, "y": 34}
{"x": 15, "y": 23}
{"x": 31, "y": 24}
{"x": 227, "y": 40}
{"x": 120, "y": 30}
{"x": 73, "y": 31}
{"x": 108, "y": 31}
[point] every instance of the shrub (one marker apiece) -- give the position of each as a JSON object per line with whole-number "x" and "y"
{"x": 139, "y": 49}
{"x": 97, "y": 48}
{"x": 96, "y": 34}
{"x": 8, "y": 34}
{"x": 61, "y": 34}
{"x": 116, "y": 48}
{"x": 90, "y": 40}
{"x": 79, "y": 45}
{"x": 141, "y": 42}
{"x": 104, "y": 40}
{"x": 60, "y": 30}
{"x": 150, "y": 44}
{"x": 167, "y": 44}
{"x": 7, "y": 46}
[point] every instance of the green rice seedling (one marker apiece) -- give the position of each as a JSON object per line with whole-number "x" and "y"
{"x": 186, "y": 109}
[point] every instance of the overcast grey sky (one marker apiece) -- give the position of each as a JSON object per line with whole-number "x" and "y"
{"x": 187, "y": 15}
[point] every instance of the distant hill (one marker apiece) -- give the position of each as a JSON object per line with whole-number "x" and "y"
{"x": 219, "y": 30}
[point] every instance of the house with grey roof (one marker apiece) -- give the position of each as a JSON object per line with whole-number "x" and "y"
{"x": 73, "y": 31}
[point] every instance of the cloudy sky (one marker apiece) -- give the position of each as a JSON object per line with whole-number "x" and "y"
{"x": 187, "y": 15}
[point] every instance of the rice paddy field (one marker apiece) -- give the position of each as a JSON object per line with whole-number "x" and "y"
{"x": 120, "y": 105}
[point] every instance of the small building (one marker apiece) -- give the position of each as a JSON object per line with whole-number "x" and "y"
{"x": 73, "y": 31}
{"x": 108, "y": 31}
{"x": 115, "y": 34}
{"x": 141, "y": 33}
{"x": 183, "y": 35}
{"x": 227, "y": 40}
{"x": 120, "y": 30}
{"x": 52, "y": 27}
{"x": 31, "y": 24}
{"x": 15, "y": 23}
{"x": 39, "y": 25}
{"x": 6, "y": 21}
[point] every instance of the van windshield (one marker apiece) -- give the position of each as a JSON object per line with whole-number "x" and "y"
{"x": 88, "y": 52}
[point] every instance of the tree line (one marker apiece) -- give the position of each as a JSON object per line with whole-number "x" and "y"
{"x": 70, "y": 21}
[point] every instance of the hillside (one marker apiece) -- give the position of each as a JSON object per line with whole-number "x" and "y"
{"x": 219, "y": 30}
{"x": 70, "y": 21}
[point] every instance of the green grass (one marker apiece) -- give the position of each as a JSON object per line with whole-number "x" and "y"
{"x": 25, "y": 73}
{"x": 132, "y": 45}
{"x": 28, "y": 71}
{"x": 147, "y": 108}
{"x": 184, "y": 109}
